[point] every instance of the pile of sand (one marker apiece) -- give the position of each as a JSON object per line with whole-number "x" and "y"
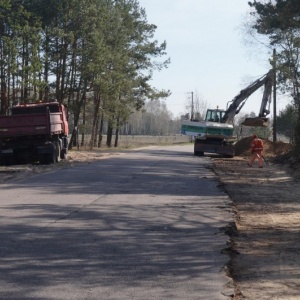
{"x": 271, "y": 149}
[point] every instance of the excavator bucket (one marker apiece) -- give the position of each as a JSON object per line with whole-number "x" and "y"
{"x": 256, "y": 122}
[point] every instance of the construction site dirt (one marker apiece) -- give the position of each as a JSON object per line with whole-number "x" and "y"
{"x": 264, "y": 237}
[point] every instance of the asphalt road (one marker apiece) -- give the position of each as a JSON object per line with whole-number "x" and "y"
{"x": 141, "y": 225}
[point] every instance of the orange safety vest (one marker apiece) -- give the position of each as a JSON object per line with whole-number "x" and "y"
{"x": 257, "y": 145}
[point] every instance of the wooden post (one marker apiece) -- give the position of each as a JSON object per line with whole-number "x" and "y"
{"x": 274, "y": 99}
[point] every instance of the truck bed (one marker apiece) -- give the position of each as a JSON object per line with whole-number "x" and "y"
{"x": 30, "y": 125}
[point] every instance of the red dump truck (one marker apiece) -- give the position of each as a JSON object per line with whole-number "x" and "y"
{"x": 34, "y": 133}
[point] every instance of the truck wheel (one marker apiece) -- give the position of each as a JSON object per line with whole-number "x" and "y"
{"x": 52, "y": 156}
{"x": 7, "y": 160}
{"x": 198, "y": 153}
{"x": 43, "y": 159}
{"x": 58, "y": 151}
{"x": 63, "y": 154}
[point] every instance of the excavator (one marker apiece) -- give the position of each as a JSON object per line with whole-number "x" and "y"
{"x": 215, "y": 133}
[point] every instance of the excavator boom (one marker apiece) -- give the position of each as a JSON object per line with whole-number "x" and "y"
{"x": 238, "y": 101}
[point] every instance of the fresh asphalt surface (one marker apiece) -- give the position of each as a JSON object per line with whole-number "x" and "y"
{"x": 141, "y": 225}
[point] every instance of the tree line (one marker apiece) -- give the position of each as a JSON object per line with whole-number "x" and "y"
{"x": 154, "y": 119}
{"x": 279, "y": 21}
{"x": 97, "y": 57}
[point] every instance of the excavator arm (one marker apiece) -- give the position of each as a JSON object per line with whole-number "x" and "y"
{"x": 239, "y": 101}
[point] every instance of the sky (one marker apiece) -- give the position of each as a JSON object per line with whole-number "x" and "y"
{"x": 207, "y": 51}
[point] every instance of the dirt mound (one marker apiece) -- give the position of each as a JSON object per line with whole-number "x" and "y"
{"x": 271, "y": 149}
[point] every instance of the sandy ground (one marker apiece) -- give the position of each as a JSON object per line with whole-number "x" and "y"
{"x": 265, "y": 235}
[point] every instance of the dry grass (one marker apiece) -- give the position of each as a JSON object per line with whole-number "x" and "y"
{"x": 133, "y": 141}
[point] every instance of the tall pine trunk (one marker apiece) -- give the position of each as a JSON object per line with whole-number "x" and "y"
{"x": 97, "y": 101}
{"x": 79, "y": 103}
{"x": 4, "y": 100}
{"x": 117, "y": 132}
{"x": 46, "y": 65}
{"x": 63, "y": 72}
{"x": 100, "y": 138}
{"x": 297, "y": 129}
{"x": 109, "y": 135}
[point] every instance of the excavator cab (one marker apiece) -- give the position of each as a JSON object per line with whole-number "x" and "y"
{"x": 214, "y": 115}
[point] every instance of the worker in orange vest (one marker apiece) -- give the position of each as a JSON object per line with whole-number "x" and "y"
{"x": 256, "y": 149}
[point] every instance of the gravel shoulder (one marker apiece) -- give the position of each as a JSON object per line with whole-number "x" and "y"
{"x": 17, "y": 172}
{"x": 265, "y": 250}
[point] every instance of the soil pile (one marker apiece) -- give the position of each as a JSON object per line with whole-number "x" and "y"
{"x": 271, "y": 149}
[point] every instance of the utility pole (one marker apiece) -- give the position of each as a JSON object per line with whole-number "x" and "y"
{"x": 274, "y": 98}
{"x": 192, "y": 107}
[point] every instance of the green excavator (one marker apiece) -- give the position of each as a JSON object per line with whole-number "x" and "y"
{"x": 215, "y": 134}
